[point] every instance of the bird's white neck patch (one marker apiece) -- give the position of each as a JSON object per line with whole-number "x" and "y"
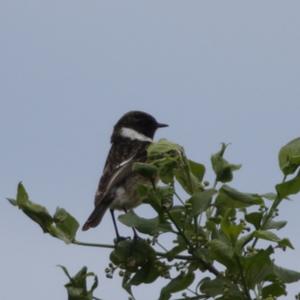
{"x": 134, "y": 135}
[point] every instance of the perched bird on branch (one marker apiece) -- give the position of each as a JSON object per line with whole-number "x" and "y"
{"x": 118, "y": 184}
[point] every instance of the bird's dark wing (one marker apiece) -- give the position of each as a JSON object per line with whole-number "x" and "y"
{"x": 117, "y": 168}
{"x": 119, "y": 155}
{"x": 120, "y": 174}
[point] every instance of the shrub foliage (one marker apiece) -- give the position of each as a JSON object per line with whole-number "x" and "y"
{"x": 224, "y": 240}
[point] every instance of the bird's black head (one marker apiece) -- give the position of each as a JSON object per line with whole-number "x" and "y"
{"x": 137, "y": 122}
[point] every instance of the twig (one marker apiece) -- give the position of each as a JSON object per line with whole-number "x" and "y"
{"x": 93, "y": 245}
{"x": 183, "y": 257}
{"x": 178, "y": 198}
{"x": 194, "y": 297}
{"x": 107, "y": 246}
{"x": 180, "y": 232}
{"x": 269, "y": 215}
{"x": 161, "y": 246}
{"x": 196, "y": 226}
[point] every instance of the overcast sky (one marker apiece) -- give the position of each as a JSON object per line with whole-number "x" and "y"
{"x": 216, "y": 71}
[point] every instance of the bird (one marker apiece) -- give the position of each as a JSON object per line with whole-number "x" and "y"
{"x": 117, "y": 188}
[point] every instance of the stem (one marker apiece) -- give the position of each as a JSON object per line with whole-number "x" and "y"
{"x": 194, "y": 298}
{"x": 180, "y": 232}
{"x": 208, "y": 266}
{"x": 196, "y": 225}
{"x": 269, "y": 215}
{"x": 161, "y": 246}
{"x": 178, "y": 198}
{"x": 183, "y": 257}
{"x": 243, "y": 279}
{"x": 107, "y": 246}
{"x": 191, "y": 291}
{"x": 93, "y": 245}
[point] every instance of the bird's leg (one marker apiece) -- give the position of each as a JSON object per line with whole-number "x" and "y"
{"x": 115, "y": 224}
{"x": 135, "y": 235}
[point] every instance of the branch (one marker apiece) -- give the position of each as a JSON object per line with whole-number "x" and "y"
{"x": 108, "y": 246}
{"x": 93, "y": 245}
{"x": 183, "y": 257}
{"x": 178, "y": 198}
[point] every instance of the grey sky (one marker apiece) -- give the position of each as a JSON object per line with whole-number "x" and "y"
{"x": 216, "y": 71}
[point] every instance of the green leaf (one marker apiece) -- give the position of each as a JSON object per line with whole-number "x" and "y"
{"x": 217, "y": 286}
{"x": 198, "y": 170}
{"x": 275, "y": 289}
{"x": 222, "y": 168}
{"x": 165, "y": 156}
{"x": 257, "y": 267}
{"x": 186, "y": 178}
{"x": 162, "y": 147}
{"x": 231, "y": 230}
{"x": 270, "y": 236}
{"x": 77, "y": 287}
{"x": 12, "y": 201}
{"x": 171, "y": 161}
{"x": 275, "y": 224}
{"x": 243, "y": 241}
{"x": 178, "y": 213}
{"x": 201, "y": 201}
{"x": 62, "y": 225}
{"x": 65, "y": 227}
{"x": 180, "y": 217}
{"x": 267, "y": 235}
{"x": 166, "y": 169}
{"x": 147, "y": 170}
{"x": 36, "y": 212}
{"x": 213, "y": 287}
{"x": 176, "y": 250}
{"x": 146, "y": 274}
{"x": 284, "y": 243}
{"x": 286, "y": 275}
{"x": 289, "y": 157}
{"x": 288, "y": 188}
{"x": 222, "y": 252}
{"x": 147, "y": 226}
{"x": 132, "y": 254}
{"x": 229, "y": 197}
{"x": 22, "y": 195}
{"x": 269, "y": 196}
{"x": 254, "y": 219}
{"x": 158, "y": 198}
{"x": 181, "y": 282}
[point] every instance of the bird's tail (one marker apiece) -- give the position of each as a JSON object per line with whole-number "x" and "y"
{"x": 95, "y": 217}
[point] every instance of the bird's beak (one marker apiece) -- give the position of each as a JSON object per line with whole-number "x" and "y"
{"x": 161, "y": 125}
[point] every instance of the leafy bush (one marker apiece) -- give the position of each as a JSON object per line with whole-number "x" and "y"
{"x": 216, "y": 229}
